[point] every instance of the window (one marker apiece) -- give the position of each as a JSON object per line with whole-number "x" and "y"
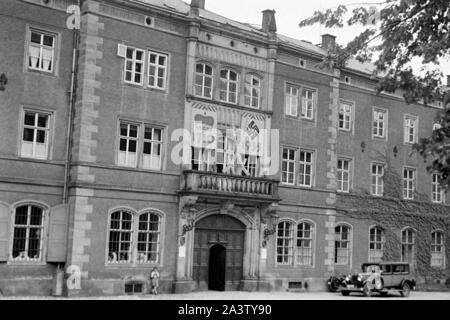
{"x": 308, "y": 104}
{"x": 157, "y": 70}
{"x": 379, "y": 129}
{"x": 409, "y": 182}
{"x": 291, "y": 100}
{"x": 410, "y": 129}
{"x": 36, "y": 133}
{"x": 345, "y": 116}
{"x": 41, "y": 51}
{"x": 152, "y": 148}
{"x": 437, "y": 249}
{"x": 288, "y": 166}
{"x": 376, "y": 244}
{"x": 377, "y": 183}
{"x": 305, "y": 244}
{"x": 306, "y": 168}
{"x": 343, "y": 175}
{"x": 342, "y": 244}
{"x": 28, "y": 232}
{"x": 134, "y": 238}
{"x": 252, "y": 91}
{"x": 437, "y": 194}
{"x": 136, "y": 150}
{"x": 120, "y": 237}
{"x": 128, "y": 145}
{"x": 148, "y": 238}
{"x": 285, "y": 238}
{"x": 228, "y": 86}
{"x": 134, "y": 66}
{"x": 203, "y": 80}
{"x": 408, "y": 245}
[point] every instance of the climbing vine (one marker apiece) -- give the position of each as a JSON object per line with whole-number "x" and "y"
{"x": 392, "y": 213}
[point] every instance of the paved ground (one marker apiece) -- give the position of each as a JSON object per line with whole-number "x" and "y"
{"x": 239, "y": 295}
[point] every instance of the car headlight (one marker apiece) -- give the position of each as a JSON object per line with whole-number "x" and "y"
{"x": 347, "y": 278}
{"x": 359, "y": 278}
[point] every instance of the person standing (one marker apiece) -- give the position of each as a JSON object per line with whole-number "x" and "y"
{"x": 154, "y": 279}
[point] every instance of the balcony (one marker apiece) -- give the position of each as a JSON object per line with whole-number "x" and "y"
{"x": 217, "y": 185}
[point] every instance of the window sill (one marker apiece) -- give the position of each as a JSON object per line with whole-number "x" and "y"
{"x": 344, "y": 131}
{"x": 376, "y": 138}
{"x": 132, "y": 265}
{"x": 26, "y": 263}
{"x": 312, "y": 121}
{"x": 41, "y": 73}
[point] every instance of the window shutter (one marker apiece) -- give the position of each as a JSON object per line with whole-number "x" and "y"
{"x": 57, "y": 240}
{"x": 122, "y": 50}
{"x": 4, "y": 231}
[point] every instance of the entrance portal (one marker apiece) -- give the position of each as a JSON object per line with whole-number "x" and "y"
{"x": 217, "y": 258}
{"x": 218, "y": 253}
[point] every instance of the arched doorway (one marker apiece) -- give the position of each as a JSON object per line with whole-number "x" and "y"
{"x": 218, "y": 253}
{"x": 217, "y": 266}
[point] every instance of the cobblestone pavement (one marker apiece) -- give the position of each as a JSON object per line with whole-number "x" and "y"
{"x": 239, "y": 295}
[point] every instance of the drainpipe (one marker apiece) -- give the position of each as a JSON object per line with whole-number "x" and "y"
{"x": 73, "y": 88}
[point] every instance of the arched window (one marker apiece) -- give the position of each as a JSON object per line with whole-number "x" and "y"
{"x": 148, "y": 243}
{"x": 342, "y": 245}
{"x": 376, "y": 244}
{"x": 28, "y": 229}
{"x": 437, "y": 249}
{"x": 228, "y": 86}
{"x": 305, "y": 244}
{"x": 120, "y": 237}
{"x": 203, "y": 80}
{"x": 285, "y": 236}
{"x": 252, "y": 91}
{"x": 408, "y": 245}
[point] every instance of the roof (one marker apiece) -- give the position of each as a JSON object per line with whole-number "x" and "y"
{"x": 183, "y": 7}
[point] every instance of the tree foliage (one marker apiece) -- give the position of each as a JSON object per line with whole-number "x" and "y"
{"x": 400, "y": 32}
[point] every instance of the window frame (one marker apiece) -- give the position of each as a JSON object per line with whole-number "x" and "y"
{"x": 290, "y": 248}
{"x": 313, "y": 168}
{"x": 134, "y": 261}
{"x": 376, "y": 121}
{"x": 288, "y": 162}
{"x": 140, "y": 140}
{"x": 228, "y": 82}
{"x": 157, "y": 68}
{"x": 314, "y": 103}
{"x": 204, "y": 76}
{"x": 350, "y": 114}
{"x": 349, "y": 241}
{"x": 134, "y": 61}
{"x": 382, "y": 242}
{"x": 441, "y": 252}
{"x": 416, "y": 128}
{"x": 55, "y": 54}
{"x": 44, "y": 231}
{"x": 382, "y": 165}
{"x": 292, "y": 98}
{"x": 436, "y": 190}
{"x": 350, "y": 174}
{"x": 49, "y": 132}
{"x": 249, "y": 87}
{"x": 413, "y": 244}
{"x": 312, "y": 246}
{"x": 413, "y": 181}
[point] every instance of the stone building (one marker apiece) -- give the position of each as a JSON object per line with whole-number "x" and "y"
{"x": 122, "y": 151}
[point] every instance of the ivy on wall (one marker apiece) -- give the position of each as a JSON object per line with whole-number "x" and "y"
{"x": 392, "y": 213}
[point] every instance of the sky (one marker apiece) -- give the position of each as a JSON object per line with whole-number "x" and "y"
{"x": 289, "y": 13}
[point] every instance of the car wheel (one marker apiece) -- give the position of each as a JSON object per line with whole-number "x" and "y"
{"x": 345, "y": 293}
{"x": 367, "y": 291}
{"x": 383, "y": 293}
{"x": 406, "y": 289}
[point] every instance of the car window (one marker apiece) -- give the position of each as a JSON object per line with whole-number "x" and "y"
{"x": 401, "y": 268}
{"x": 386, "y": 268}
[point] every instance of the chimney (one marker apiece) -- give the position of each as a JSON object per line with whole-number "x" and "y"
{"x": 198, "y": 4}
{"x": 268, "y": 23}
{"x": 328, "y": 41}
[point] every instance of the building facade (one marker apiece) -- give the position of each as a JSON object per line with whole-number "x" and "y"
{"x": 123, "y": 150}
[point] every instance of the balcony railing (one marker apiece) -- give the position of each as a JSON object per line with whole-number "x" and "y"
{"x": 229, "y": 185}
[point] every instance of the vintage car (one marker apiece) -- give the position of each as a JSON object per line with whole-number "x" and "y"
{"x": 380, "y": 277}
